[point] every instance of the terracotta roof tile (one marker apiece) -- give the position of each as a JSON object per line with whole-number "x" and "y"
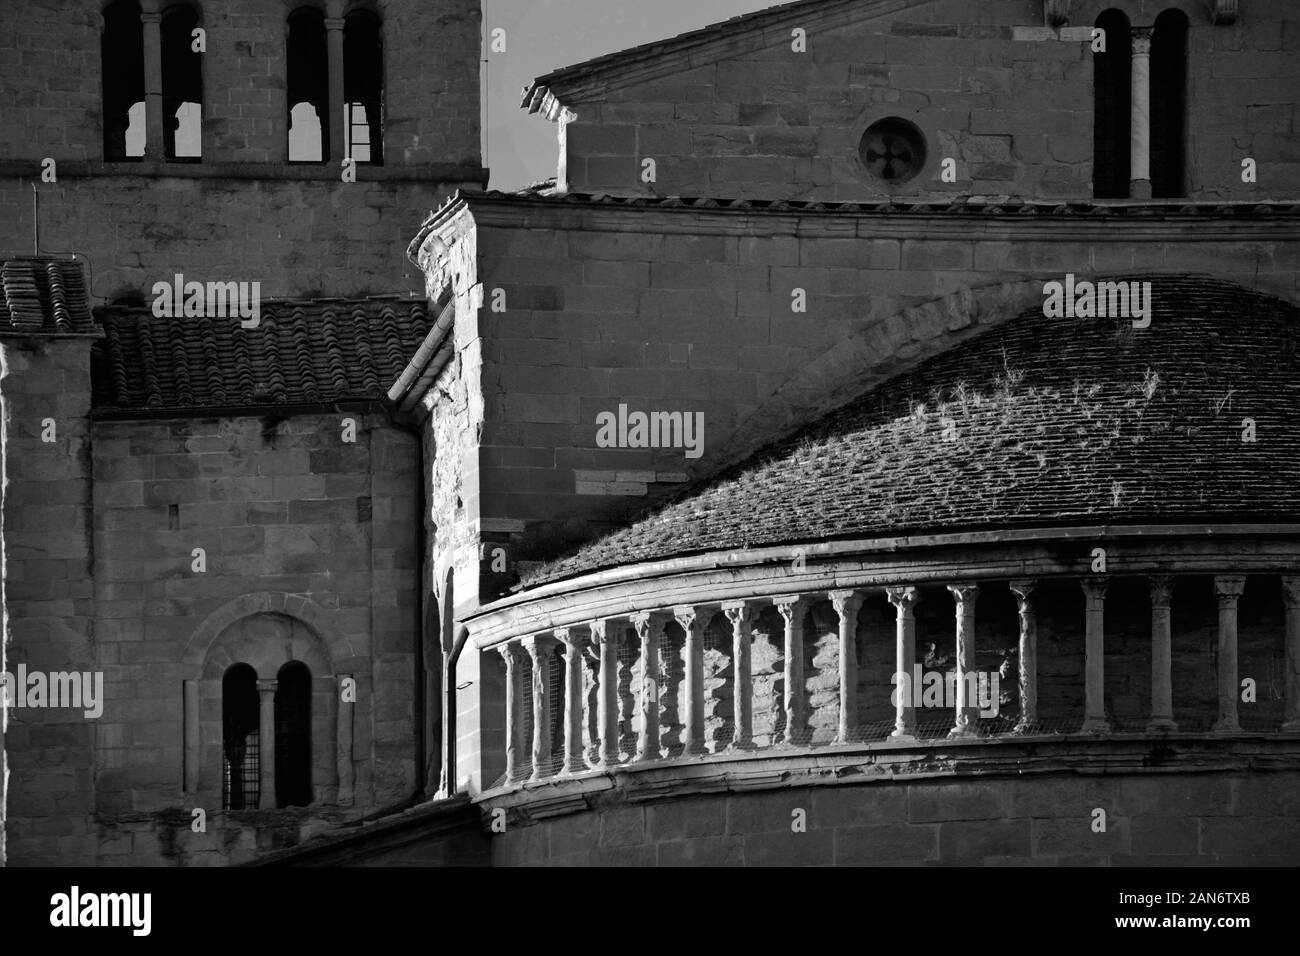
{"x": 303, "y": 352}
{"x": 44, "y": 295}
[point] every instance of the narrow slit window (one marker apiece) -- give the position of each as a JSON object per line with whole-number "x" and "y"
{"x": 293, "y": 736}
{"x": 182, "y": 85}
{"x": 1111, "y": 80}
{"x": 122, "y": 60}
{"x": 363, "y": 88}
{"x": 1168, "y": 105}
{"x": 308, "y": 87}
{"x": 241, "y": 758}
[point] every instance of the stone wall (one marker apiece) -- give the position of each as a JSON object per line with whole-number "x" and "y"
{"x": 243, "y": 213}
{"x": 1169, "y": 819}
{"x": 1015, "y": 115}
{"x": 692, "y": 310}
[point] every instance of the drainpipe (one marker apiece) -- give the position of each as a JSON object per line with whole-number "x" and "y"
{"x": 449, "y": 722}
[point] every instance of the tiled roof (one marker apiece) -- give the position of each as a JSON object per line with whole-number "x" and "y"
{"x": 44, "y": 295}
{"x": 303, "y": 352}
{"x": 1037, "y": 422}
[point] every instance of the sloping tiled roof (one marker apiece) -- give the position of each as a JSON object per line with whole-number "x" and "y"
{"x": 303, "y": 352}
{"x": 44, "y": 295}
{"x": 1037, "y": 422}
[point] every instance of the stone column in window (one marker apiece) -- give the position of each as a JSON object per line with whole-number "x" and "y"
{"x": 193, "y": 740}
{"x": 1027, "y": 652}
{"x": 343, "y": 737}
{"x": 1162, "y": 655}
{"x": 792, "y": 610}
{"x": 904, "y": 600}
{"x": 741, "y": 615}
{"x": 966, "y": 722}
{"x": 572, "y": 640}
{"x": 151, "y": 22}
{"x": 334, "y": 52}
{"x": 511, "y": 653}
{"x": 1228, "y": 589}
{"x": 649, "y": 625}
{"x": 541, "y": 649}
{"x": 1094, "y": 712}
{"x": 692, "y": 621}
{"x": 266, "y": 744}
{"x": 604, "y": 634}
{"x": 1291, "y": 600}
{"x": 1140, "y": 115}
{"x": 846, "y": 604}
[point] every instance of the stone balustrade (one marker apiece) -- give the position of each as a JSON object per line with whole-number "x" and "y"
{"x": 569, "y": 709}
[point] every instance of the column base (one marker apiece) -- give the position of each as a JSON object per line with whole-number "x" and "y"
{"x": 1139, "y": 189}
{"x": 1226, "y": 726}
{"x": 963, "y": 733}
{"x": 1290, "y": 727}
{"x": 647, "y": 756}
{"x": 902, "y": 738}
{"x": 737, "y": 746}
{"x": 1095, "y": 725}
{"x": 1161, "y": 723}
{"x": 1025, "y": 728}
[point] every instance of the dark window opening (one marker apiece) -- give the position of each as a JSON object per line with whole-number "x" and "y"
{"x": 293, "y": 736}
{"x": 240, "y": 727}
{"x": 893, "y": 150}
{"x": 1168, "y": 105}
{"x": 182, "y": 85}
{"x": 308, "y": 87}
{"x": 122, "y": 61}
{"x": 1111, "y": 83}
{"x": 363, "y": 88}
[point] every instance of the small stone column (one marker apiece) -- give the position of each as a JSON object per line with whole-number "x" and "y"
{"x": 1094, "y": 712}
{"x": 573, "y": 650}
{"x": 792, "y": 610}
{"x": 541, "y": 649}
{"x": 649, "y": 625}
{"x": 511, "y": 653}
{"x": 151, "y": 24}
{"x": 605, "y": 636}
{"x": 266, "y": 744}
{"x": 1028, "y": 655}
{"x": 1140, "y": 116}
{"x": 1162, "y": 655}
{"x": 1291, "y": 599}
{"x": 741, "y": 615}
{"x": 967, "y": 715}
{"x": 334, "y": 52}
{"x": 692, "y": 620}
{"x": 1228, "y": 589}
{"x": 847, "y": 604}
{"x": 904, "y": 600}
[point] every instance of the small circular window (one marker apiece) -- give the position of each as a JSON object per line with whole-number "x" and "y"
{"x": 893, "y": 150}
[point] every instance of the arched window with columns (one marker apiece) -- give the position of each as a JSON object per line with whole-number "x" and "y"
{"x": 122, "y": 60}
{"x": 1110, "y": 113}
{"x": 1169, "y": 105}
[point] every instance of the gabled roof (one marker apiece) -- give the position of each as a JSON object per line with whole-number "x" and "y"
{"x": 304, "y": 352}
{"x": 44, "y": 295}
{"x": 1039, "y": 422}
{"x": 742, "y": 34}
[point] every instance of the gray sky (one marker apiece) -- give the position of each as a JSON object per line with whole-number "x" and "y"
{"x": 543, "y": 35}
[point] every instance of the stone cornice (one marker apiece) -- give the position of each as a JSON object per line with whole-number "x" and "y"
{"x": 433, "y": 174}
{"x": 879, "y": 562}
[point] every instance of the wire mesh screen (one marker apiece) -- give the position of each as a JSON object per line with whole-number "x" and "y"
{"x": 672, "y": 690}
{"x": 524, "y": 748}
{"x": 719, "y": 685}
{"x": 241, "y": 783}
{"x": 629, "y": 689}
{"x": 554, "y": 688}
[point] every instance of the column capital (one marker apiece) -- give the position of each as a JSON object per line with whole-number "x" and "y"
{"x": 1291, "y": 590}
{"x": 1141, "y": 37}
{"x": 1229, "y": 587}
{"x": 690, "y": 615}
{"x": 1094, "y": 590}
{"x": 1022, "y": 588}
{"x": 539, "y": 646}
{"x": 740, "y": 612}
{"x": 510, "y": 652}
{"x": 904, "y": 597}
{"x": 334, "y": 23}
{"x": 644, "y": 621}
{"x": 964, "y": 594}
{"x": 150, "y": 17}
{"x": 570, "y": 637}
{"x": 846, "y": 602}
{"x": 1225, "y": 13}
{"x": 789, "y": 606}
{"x": 265, "y": 687}
{"x": 1162, "y": 589}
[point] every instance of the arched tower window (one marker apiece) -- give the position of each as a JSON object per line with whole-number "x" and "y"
{"x": 241, "y": 776}
{"x": 293, "y": 736}
{"x": 1111, "y": 77}
{"x": 308, "y": 87}
{"x": 1168, "y": 104}
{"x": 182, "y": 84}
{"x": 363, "y": 88}
{"x": 122, "y": 60}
